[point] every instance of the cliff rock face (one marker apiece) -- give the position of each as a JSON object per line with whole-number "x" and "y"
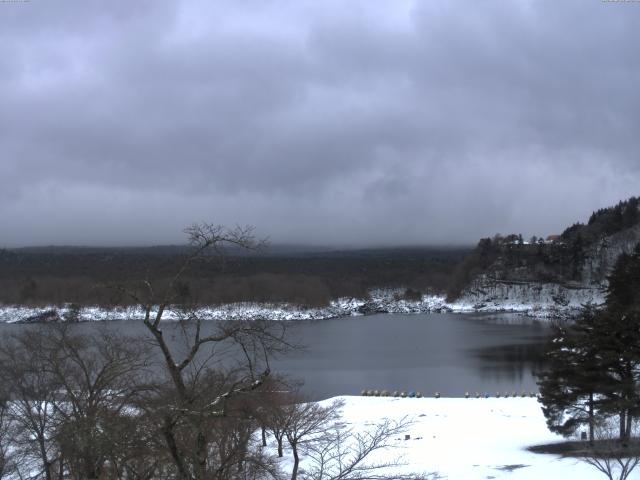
{"x": 601, "y": 256}
{"x": 509, "y": 288}
{"x": 487, "y": 293}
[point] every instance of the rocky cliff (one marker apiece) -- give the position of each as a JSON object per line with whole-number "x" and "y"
{"x": 602, "y": 255}
{"x": 554, "y": 276}
{"x": 491, "y": 294}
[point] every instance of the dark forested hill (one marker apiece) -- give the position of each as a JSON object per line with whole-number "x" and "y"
{"x": 308, "y": 276}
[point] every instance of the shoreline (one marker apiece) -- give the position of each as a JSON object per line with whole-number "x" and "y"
{"x": 380, "y": 301}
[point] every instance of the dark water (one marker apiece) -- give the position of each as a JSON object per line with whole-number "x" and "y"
{"x": 446, "y": 353}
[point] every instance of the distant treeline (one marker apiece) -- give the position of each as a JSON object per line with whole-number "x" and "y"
{"x": 57, "y": 275}
{"x": 83, "y": 275}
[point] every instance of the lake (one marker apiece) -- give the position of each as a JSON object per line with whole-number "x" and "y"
{"x": 437, "y": 352}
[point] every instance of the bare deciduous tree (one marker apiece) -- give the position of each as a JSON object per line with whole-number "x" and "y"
{"x": 342, "y": 454}
{"x": 304, "y": 423}
{"x": 8, "y": 455}
{"x": 273, "y": 415}
{"x": 67, "y": 395}
{"x": 615, "y": 458}
{"x": 346, "y": 455}
{"x": 31, "y": 396}
{"x": 197, "y": 397}
{"x": 98, "y": 377}
{"x": 326, "y": 447}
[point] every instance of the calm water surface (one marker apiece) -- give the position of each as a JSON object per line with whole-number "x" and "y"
{"x": 446, "y": 353}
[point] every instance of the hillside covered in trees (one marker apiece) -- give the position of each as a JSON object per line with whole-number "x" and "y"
{"x": 56, "y": 275}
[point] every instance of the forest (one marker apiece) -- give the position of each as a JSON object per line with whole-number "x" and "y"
{"x": 53, "y": 276}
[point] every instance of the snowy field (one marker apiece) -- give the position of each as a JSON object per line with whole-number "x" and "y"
{"x": 464, "y": 439}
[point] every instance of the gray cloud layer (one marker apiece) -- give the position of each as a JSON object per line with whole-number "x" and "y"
{"x": 322, "y": 122}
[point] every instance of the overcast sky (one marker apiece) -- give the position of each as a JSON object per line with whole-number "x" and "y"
{"x": 346, "y": 122}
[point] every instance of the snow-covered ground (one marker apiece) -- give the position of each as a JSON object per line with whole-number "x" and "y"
{"x": 380, "y": 301}
{"x": 465, "y": 439}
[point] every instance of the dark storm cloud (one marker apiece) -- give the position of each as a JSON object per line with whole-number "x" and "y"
{"x": 343, "y": 122}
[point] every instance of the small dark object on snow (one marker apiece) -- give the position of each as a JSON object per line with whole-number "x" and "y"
{"x": 48, "y": 316}
{"x": 511, "y": 468}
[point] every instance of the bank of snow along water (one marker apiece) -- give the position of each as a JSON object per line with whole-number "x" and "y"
{"x": 541, "y": 301}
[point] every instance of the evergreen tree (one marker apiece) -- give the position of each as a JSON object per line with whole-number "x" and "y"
{"x": 570, "y": 384}
{"x": 615, "y": 352}
{"x": 623, "y": 293}
{"x": 619, "y": 340}
{"x": 594, "y": 364}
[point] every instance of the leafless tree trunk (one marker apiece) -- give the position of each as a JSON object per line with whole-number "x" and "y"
{"x": 304, "y": 422}
{"x": 611, "y": 455}
{"x": 8, "y": 456}
{"x": 99, "y": 375}
{"x": 194, "y": 402}
{"x": 67, "y": 392}
{"x": 344, "y": 455}
{"x": 31, "y": 397}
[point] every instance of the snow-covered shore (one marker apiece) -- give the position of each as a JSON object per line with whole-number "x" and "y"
{"x": 466, "y": 438}
{"x": 380, "y": 301}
